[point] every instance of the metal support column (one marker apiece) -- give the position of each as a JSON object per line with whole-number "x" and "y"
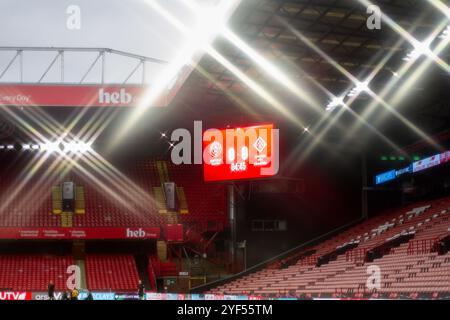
{"x": 21, "y": 66}
{"x": 103, "y": 67}
{"x": 62, "y": 65}
{"x": 364, "y": 187}
{"x": 231, "y": 202}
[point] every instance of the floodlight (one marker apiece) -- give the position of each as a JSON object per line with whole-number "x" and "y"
{"x": 337, "y": 101}
{"x": 50, "y": 147}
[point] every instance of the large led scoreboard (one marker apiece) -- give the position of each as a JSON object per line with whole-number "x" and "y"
{"x": 240, "y": 153}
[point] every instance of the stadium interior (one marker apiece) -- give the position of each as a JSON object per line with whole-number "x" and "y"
{"x": 360, "y": 205}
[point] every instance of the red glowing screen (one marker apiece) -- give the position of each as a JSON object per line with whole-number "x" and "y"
{"x": 240, "y": 153}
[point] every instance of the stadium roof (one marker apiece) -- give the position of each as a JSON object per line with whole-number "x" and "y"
{"x": 325, "y": 47}
{"x": 312, "y": 63}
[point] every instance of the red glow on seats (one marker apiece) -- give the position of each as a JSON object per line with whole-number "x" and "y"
{"x": 401, "y": 271}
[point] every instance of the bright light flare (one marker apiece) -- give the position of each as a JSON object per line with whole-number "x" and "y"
{"x": 211, "y": 21}
{"x": 72, "y": 146}
{"x": 420, "y": 49}
{"x": 334, "y": 103}
{"x": 360, "y": 87}
{"x": 445, "y": 34}
{"x": 270, "y": 68}
{"x": 50, "y": 147}
{"x": 76, "y": 147}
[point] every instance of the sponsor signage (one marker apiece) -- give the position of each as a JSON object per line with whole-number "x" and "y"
{"x": 44, "y": 295}
{"x": 178, "y": 296}
{"x": 80, "y": 233}
{"x": 385, "y": 177}
{"x": 154, "y": 296}
{"x": 417, "y": 166}
{"x": 403, "y": 171}
{"x": 126, "y": 296}
{"x": 240, "y": 153}
{"x": 98, "y": 295}
{"x": 15, "y": 295}
{"x": 427, "y": 163}
{"x": 174, "y": 296}
{"x": 445, "y": 157}
{"x": 171, "y": 296}
{"x": 75, "y": 95}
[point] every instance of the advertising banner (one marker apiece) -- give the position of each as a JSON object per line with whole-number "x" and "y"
{"x": 445, "y": 157}
{"x": 414, "y": 167}
{"x": 427, "y": 163}
{"x": 98, "y": 295}
{"x": 15, "y": 295}
{"x": 126, "y": 296}
{"x": 385, "y": 177}
{"x": 44, "y": 295}
{"x": 403, "y": 171}
{"x": 80, "y": 233}
{"x": 12, "y": 295}
{"x": 75, "y": 95}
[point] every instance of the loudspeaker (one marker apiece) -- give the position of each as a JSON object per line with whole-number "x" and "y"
{"x": 170, "y": 190}
{"x": 68, "y": 191}
{"x": 68, "y": 196}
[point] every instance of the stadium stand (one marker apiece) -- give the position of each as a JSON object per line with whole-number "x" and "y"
{"x": 111, "y": 272}
{"x": 36, "y": 202}
{"x": 162, "y": 269}
{"x": 413, "y": 265}
{"x": 201, "y": 208}
{"x": 33, "y": 272}
{"x": 103, "y": 210}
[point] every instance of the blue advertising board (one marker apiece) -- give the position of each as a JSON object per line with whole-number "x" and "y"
{"x": 385, "y": 177}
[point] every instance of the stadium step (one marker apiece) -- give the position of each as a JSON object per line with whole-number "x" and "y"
{"x": 79, "y": 200}
{"x": 163, "y": 172}
{"x": 160, "y": 199}
{"x": 161, "y": 249}
{"x": 172, "y": 217}
{"x": 56, "y": 200}
{"x": 142, "y": 267}
{"x": 66, "y": 219}
{"x": 183, "y": 205}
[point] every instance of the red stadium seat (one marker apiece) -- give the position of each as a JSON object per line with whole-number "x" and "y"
{"x": 33, "y": 273}
{"x": 402, "y": 271}
{"x": 111, "y": 273}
